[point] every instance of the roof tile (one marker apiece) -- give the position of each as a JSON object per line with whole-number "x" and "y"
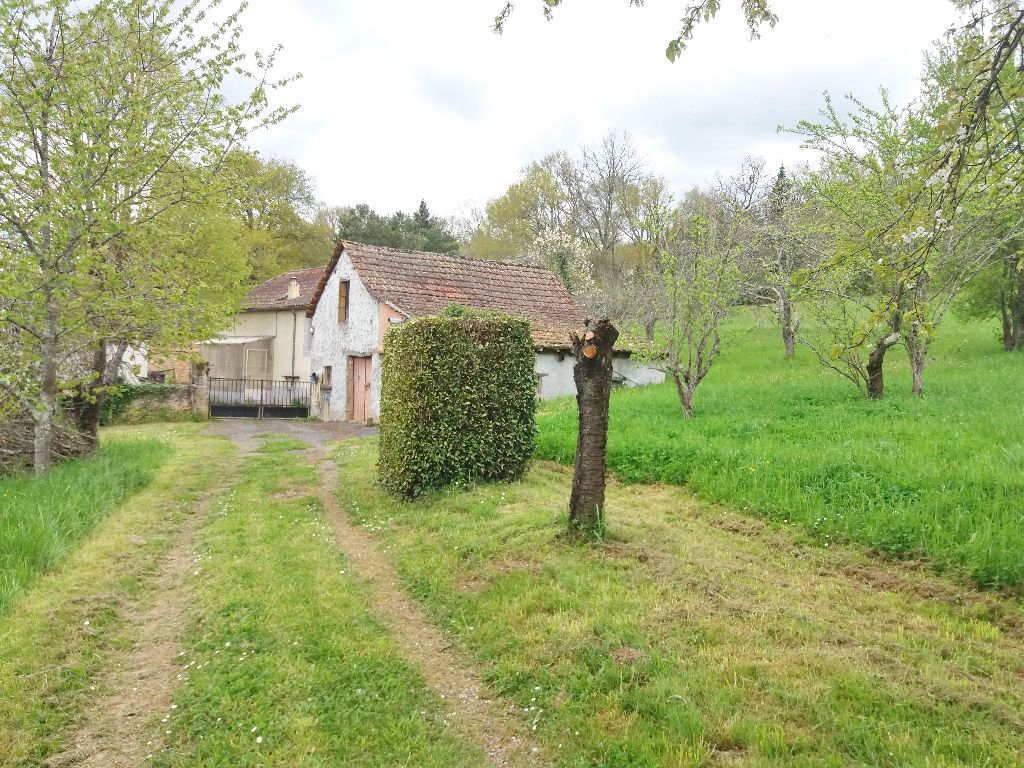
{"x": 273, "y": 294}
{"x": 420, "y": 283}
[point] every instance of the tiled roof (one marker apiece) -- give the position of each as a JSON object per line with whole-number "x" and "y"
{"x": 419, "y": 283}
{"x": 273, "y": 294}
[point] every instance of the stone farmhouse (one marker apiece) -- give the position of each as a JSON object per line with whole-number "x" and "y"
{"x": 366, "y": 289}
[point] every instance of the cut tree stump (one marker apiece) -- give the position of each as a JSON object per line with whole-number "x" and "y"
{"x": 593, "y": 376}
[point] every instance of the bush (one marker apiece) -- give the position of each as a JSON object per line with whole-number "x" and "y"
{"x": 458, "y": 394}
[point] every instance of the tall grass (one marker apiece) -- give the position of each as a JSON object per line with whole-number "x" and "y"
{"x": 41, "y": 519}
{"x": 941, "y": 477}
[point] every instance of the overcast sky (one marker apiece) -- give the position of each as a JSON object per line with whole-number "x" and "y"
{"x": 409, "y": 99}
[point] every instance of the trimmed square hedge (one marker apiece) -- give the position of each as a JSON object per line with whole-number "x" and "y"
{"x": 458, "y": 396}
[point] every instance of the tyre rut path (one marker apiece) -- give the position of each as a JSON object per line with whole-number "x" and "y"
{"x": 476, "y": 713}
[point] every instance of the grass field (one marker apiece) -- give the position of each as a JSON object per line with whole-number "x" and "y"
{"x": 940, "y": 478}
{"x": 216, "y": 618}
{"x": 698, "y": 637}
{"x": 41, "y": 520}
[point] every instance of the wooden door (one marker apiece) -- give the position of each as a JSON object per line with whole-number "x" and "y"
{"x": 361, "y": 378}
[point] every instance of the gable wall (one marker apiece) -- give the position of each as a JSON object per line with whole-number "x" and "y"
{"x": 333, "y": 342}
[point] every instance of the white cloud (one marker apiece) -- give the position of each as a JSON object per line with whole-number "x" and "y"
{"x": 405, "y": 99}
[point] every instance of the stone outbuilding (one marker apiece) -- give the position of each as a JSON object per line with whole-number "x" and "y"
{"x": 366, "y": 288}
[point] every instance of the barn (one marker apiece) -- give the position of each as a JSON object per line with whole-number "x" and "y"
{"x": 365, "y": 289}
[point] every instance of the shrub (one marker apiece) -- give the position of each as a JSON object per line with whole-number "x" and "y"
{"x": 458, "y": 394}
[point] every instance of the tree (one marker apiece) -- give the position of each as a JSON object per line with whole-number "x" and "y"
{"x": 534, "y": 204}
{"x": 699, "y": 262}
{"x": 593, "y": 205}
{"x": 276, "y": 201}
{"x": 997, "y": 292}
{"x": 567, "y": 258}
{"x": 113, "y": 120}
{"x": 779, "y": 244}
{"x": 421, "y": 231}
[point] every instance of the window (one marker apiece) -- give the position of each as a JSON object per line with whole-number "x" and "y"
{"x": 342, "y": 301}
{"x": 325, "y": 381}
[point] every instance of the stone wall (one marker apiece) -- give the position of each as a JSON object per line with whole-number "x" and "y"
{"x": 179, "y": 402}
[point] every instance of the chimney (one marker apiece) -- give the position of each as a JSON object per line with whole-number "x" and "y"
{"x": 293, "y": 288}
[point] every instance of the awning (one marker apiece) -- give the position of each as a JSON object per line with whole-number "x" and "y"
{"x": 236, "y": 340}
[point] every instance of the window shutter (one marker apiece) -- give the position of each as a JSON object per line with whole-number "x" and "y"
{"x": 342, "y": 301}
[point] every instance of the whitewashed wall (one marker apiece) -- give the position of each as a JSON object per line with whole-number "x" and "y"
{"x": 555, "y": 371}
{"x": 636, "y": 373}
{"x": 134, "y": 365}
{"x": 333, "y": 342}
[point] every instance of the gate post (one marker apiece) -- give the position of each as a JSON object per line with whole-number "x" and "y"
{"x": 200, "y": 391}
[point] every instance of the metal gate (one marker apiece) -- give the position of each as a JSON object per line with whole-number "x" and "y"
{"x": 259, "y": 399}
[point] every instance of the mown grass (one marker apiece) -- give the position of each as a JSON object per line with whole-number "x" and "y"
{"x": 284, "y": 664}
{"x": 697, "y": 637}
{"x": 940, "y": 478}
{"x": 66, "y": 625}
{"x": 42, "y": 519}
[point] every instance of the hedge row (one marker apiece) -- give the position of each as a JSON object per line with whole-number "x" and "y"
{"x": 458, "y": 395}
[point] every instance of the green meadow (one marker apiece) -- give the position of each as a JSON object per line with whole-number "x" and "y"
{"x": 940, "y": 478}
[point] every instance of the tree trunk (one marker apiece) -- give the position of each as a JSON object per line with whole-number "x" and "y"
{"x": 685, "y": 392}
{"x": 784, "y": 310}
{"x": 593, "y": 376}
{"x": 88, "y": 397}
{"x": 44, "y": 417}
{"x": 87, "y": 407}
{"x": 649, "y": 329}
{"x": 917, "y": 339}
{"x": 1018, "y": 317}
{"x": 917, "y": 355}
{"x": 876, "y": 383}
{"x": 1004, "y": 316}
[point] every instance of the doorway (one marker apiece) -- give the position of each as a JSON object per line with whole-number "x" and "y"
{"x": 360, "y": 370}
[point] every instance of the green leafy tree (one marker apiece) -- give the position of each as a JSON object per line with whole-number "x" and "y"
{"x": 113, "y": 126}
{"x": 276, "y": 202}
{"x": 700, "y": 268}
{"x": 421, "y": 231}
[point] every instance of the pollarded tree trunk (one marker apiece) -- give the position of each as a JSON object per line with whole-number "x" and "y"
{"x": 593, "y": 376}
{"x": 876, "y": 383}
